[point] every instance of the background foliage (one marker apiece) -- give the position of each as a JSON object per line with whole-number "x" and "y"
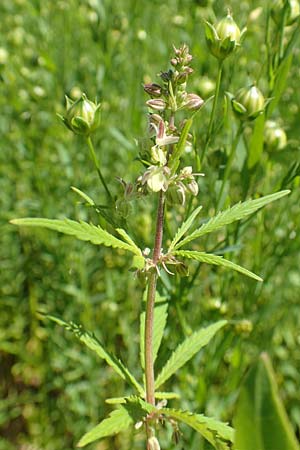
{"x": 52, "y": 389}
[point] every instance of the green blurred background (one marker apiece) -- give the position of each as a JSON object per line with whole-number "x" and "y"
{"x": 52, "y": 390}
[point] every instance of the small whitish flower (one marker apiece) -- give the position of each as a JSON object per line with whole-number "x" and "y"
{"x": 248, "y": 103}
{"x": 157, "y": 104}
{"x": 158, "y": 155}
{"x": 161, "y": 137}
{"x": 223, "y": 38}
{"x": 193, "y": 102}
{"x": 153, "y": 443}
{"x": 82, "y": 116}
{"x": 193, "y": 187}
{"x": 157, "y": 178}
{"x": 274, "y": 136}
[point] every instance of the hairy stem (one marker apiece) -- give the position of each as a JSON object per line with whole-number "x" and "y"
{"x": 213, "y": 112}
{"x": 152, "y": 282}
{"x": 96, "y": 163}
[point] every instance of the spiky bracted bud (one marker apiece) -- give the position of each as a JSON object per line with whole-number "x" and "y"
{"x": 248, "y": 103}
{"x": 274, "y": 136}
{"x": 223, "y": 38}
{"x": 82, "y": 116}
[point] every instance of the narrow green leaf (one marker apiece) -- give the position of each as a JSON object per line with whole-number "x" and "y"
{"x": 81, "y": 230}
{"x": 115, "y": 400}
{"x": 261, "y": 422}
{"x": 132, "y": 410}
{"x": 184, "y": 228}
{"x": 280, "y": 83}
{"x": 186, "y": 350}
{"x": 236, "y": 212}
{"x": 219, "y": 434}
{"x": 166, "y": 395}
{"x": 83, "y": 195}
{"x": 256, "y": 142}
{"x": 180, "y": 146}
{"x": 93, "y": 344}
{"x": 217, "y": 261}
{"x": 160, "y": 320}
{"x": 116, "y": 422}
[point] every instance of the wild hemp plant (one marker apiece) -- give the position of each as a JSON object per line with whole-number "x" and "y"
{"x": 167, "y": 181}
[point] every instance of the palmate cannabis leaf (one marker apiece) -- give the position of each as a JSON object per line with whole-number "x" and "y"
{"x": 119, "y": 420}
{"x": 186, "y": 350}
{"x": 215, "y": 260}
{"x": 236, "y": 212}
{"x": 159, "y": 323}
{"x": 83, "y": 231}
{"x": 219, "y": 434}
{"x": 184, "y": 227}
{"x": 133, "y": 410}
{"x": 92, "y": 343}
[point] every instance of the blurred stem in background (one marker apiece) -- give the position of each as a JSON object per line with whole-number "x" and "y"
{"x": 213, "y": 112}
{"x": 97, "y": 165}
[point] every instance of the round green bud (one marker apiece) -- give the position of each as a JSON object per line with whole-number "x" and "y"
{"x": 82, "y": 116}
{"x": 292, "y": 14}
{"x": 223, "y": 38}
{"x": 227, "y": 28}
{"x": 206, "y": 86}
{"x": 274, "y": 136}
{"x": 248, "y": 103}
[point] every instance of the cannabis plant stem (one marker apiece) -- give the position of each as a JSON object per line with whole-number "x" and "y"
{"x": 96, "y": 163}
{"x": 213, "y": 111}
{"x": 152, "y": 282}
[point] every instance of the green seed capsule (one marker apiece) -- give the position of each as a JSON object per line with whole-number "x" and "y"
{"x": 82, "y": 116}
{"x": 274, "y": 136}
{"x": 248, "y": 103}
{"x": 227, "y": 28}
{"x": 223, "y": 38}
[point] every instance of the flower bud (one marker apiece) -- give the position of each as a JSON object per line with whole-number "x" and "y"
{"x": 82, "y": 116}
{"x": 206, "y": 86}
{"x": 227, "y": 28}
{"x": 274, "y": 136}
{"x": 157, "y": 104}
{"x": 153, "y": 89}
{"x": 223, "y": 38}
{"x": 248, "y": 103}
{"x": 153, "y": 443}
{"x": 292, "y": 14}
{"x": 193, "y": 187}
{"x": 193, "y": 102}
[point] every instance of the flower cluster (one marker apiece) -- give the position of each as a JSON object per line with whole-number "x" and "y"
{"x": 171, "y": 93}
